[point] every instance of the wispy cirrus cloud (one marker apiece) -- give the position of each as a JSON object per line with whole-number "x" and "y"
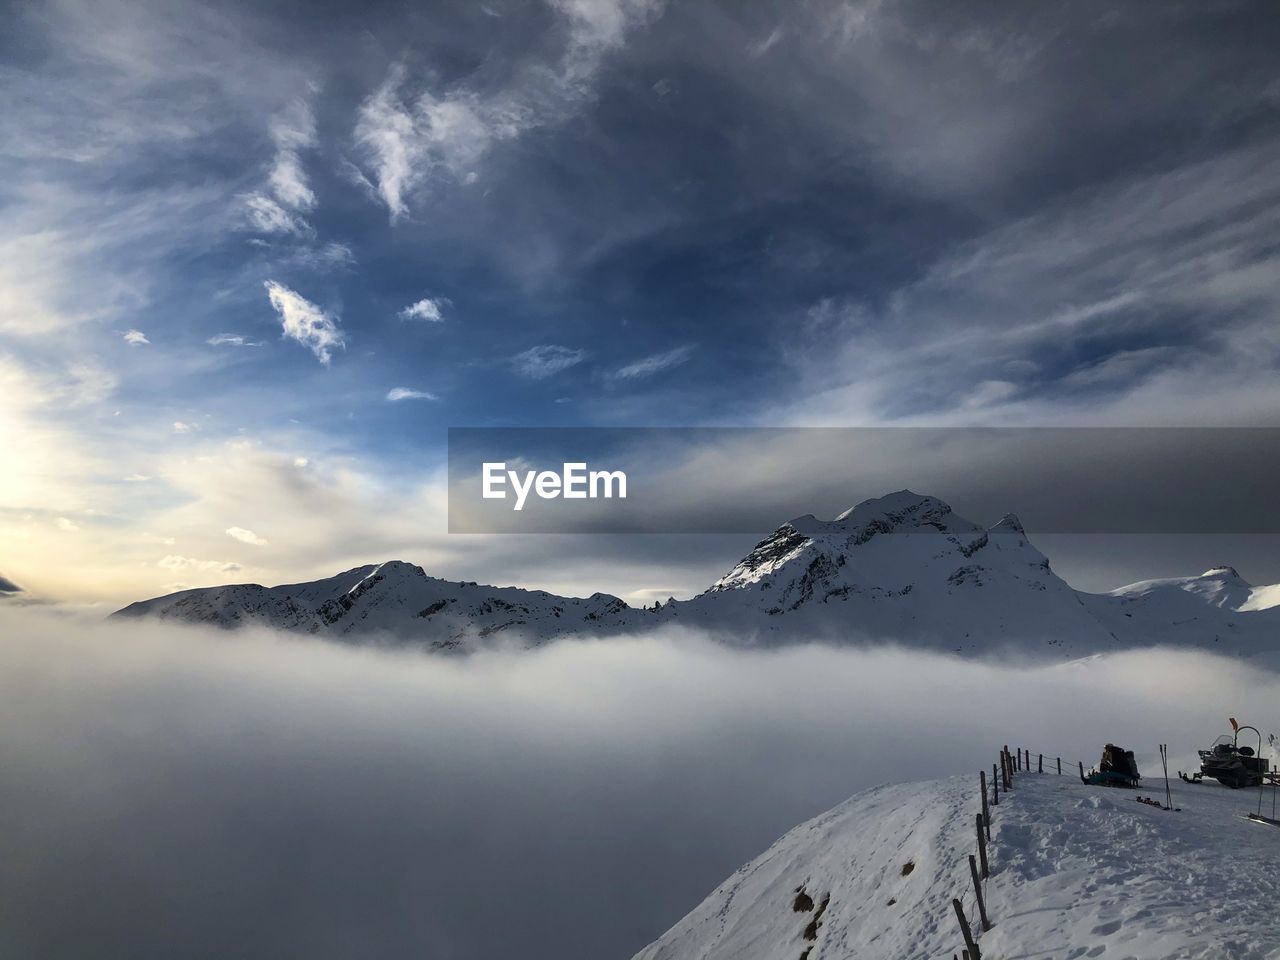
{"x": 427, "y": 308}
{"x": 293, "y": 131}
{"x": 303, "y": 321}
{"x": 1093, "y": 309}
{"x": 246, "y": 536}
{"x": 268, "y": 216}
{"x": 178, "y": 563}
{"x": 410, "y": 135}
{"x": 546, "y": 360}
{"x": 760, "y": 47}
{"x": 232, "y": 340}
{"x": 397, "y": 394}
{"x": 655, "y": 363}
{"x": 330, "y": 255}
{"x": 279, "y": 208}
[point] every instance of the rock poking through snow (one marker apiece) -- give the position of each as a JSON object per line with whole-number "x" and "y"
{"x": 1077, "y": 872}
{"x": 902, "y": 568}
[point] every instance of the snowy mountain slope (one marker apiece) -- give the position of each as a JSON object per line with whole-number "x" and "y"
{"x": 1217, "y": 610}
{"x": 903, "y": 567}
{"x": 1076, "y": 872}
{"x": 396, "y": 600}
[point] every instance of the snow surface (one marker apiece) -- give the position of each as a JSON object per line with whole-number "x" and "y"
{"x": 393, "y": 600}
{"x": 1262, "y": 598}
{"x": 1077, "y": 871}
{"x": 903, "y": 568}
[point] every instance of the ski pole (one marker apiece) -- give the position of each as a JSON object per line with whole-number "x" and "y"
{"x": 1164, "y": 758}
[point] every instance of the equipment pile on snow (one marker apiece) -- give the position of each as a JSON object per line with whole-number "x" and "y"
{"x": 1117, "y": 768}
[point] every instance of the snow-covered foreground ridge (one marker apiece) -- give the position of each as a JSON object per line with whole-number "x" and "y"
{"x": 904, "y": 567}
{"x": 1076, "y": 871}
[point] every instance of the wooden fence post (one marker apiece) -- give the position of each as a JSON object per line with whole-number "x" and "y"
{"x": 1059, "y": 766}
{"x": 995, "y": 787}
{"x": 1082, "y": 779}
{"x": 977, "y": 888}
{"x": 1040, "y": 769}
{"x": 982, "y": 850}
{"x": 986, "y": 814}
{"x": 968, "y": 934}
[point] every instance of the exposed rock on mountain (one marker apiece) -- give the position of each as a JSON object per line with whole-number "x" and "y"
{"x": 903, "y": 568}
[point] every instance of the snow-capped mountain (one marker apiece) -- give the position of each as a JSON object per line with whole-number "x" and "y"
{"x": 1076, "y": 871}
{"x": 1217, "y": 610}
{"x": 394, "y": 600}
{"x": 903, "y": 568}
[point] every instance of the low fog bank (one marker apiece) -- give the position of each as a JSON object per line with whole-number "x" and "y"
{"x": 170, "y": 792}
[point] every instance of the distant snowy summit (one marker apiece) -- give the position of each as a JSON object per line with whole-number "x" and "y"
{"x": 394, "y": 601}
{"x": 903, "y": 568}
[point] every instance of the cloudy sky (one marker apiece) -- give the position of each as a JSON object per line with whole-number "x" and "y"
{"x": 256, "y": 259}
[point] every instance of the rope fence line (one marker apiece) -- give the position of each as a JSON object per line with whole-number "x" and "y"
{"x": 1004, "y": 776}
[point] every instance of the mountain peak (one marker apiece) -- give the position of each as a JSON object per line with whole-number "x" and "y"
{"x": 1221, "y": 573}
{"x": 946, "y": 583}
{"x": 1225, "y": 575}
{"x": 1009, "y": 523}
{"x": 900, "y": 509}
{"x": 399, "y": 566}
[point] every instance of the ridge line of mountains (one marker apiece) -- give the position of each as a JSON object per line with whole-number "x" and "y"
{"x": 903, "y": 568}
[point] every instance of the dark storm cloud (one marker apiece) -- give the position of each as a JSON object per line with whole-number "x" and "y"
{"x": 171, "y": 794}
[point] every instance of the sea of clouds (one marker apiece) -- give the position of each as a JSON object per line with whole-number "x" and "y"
{"x": 173, "y": 792}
